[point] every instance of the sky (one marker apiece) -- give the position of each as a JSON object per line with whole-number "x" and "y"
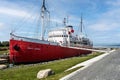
{"x": 101, "y": 18}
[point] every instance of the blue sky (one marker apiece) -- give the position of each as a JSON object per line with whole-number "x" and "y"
{"x": 101, "y": 17}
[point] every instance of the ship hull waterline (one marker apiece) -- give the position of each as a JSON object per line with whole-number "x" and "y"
{"x": 30, "y": 52}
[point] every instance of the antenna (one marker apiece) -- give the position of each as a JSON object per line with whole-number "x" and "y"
{"x": 67, "y": 19}
{"x": 64, "y": 21}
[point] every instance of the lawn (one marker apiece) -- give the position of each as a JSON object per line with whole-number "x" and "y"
{"x": 4, "y": 51}
{"x": 29, "y": 72}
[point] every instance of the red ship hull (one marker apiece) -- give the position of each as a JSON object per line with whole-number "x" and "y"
{"x": 29, "y": 52}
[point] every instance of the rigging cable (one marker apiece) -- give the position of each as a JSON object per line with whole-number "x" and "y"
{"x": 23, "y": 20}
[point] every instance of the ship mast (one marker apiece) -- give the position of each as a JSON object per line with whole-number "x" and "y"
{"x": 81, "y": 24}
{"x": 44, "y": 12}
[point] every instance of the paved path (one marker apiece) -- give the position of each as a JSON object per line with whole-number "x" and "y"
{"x": 107, "y": 68}
{"x": 91, "y": 61}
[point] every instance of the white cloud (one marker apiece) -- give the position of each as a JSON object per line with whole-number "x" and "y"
{"x": 104, "y": 26}
{"x": 4, "y": 31}
{"x": 13, "y": 12}
{"x": 114, "y": 2}
{"x": 117, "y": 35}
{"x": 107, "y": 21}
{"x": 1, "y": 25}
{"x": 4, "y": 28}
{"x": 99, "y": 27}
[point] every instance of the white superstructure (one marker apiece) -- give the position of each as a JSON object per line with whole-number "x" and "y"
{"x": 65, "y": 37}
{"x": 62, "y": 36}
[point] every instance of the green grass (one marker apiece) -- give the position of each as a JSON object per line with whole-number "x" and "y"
{"x": 60, "y": 75}
{"x": 4, "y": 47}
{"x": 6, "y": 51}
{"x": 29, "y": 72}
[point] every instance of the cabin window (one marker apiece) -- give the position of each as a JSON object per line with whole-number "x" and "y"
{"x": 59, "y": 36}
{"x": 65, "y": 35}
{"x": 74, "y": 42}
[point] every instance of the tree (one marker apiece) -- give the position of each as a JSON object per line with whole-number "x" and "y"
{"x": 5, "y": 43}
{"x": 1, "y": 44}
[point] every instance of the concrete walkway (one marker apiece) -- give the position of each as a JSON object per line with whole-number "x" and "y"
{"x": 85, "y": 64}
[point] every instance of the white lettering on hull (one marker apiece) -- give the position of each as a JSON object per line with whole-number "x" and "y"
{"x": 33, "y": 48}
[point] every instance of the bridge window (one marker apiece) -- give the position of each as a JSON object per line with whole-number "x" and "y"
{"x": 58, "y": 36}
